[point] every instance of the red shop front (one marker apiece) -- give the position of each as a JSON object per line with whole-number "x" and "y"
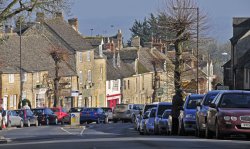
{"x": 112, "y": 100}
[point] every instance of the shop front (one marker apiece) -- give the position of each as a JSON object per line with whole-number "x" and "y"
{"x": 112, "y": 100}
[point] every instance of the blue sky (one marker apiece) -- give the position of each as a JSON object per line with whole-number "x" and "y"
{"x": 107, "y": 16}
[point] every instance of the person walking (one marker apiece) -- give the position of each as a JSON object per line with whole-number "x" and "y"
{"x": 177, "y": 102}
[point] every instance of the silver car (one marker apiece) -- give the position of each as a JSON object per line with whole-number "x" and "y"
{"x": 141, "y": 127}
{"x": 150, "y": 122}
{"x": 13, "y": 119}
{"x": 108, "y": 113}
{"x": 163, "y": 122}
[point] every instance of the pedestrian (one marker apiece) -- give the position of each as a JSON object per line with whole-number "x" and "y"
{"x": 177, "y": 102}
{"x": 26, "y": 106}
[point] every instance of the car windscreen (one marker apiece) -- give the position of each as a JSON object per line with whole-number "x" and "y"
{"x": 166, "y": 114}
{"x": 121, "y": 107}
{"x": 162, "y": 108}
{"x": 147, "y": 107}
{"x": 38, "y": 111}
{"x": 90, "y": 110}
{"x": 209, "y": 98}
{"x": 192, "y": 102}
{"x": 235, "y": 100}
{"x": 107, "y": 109}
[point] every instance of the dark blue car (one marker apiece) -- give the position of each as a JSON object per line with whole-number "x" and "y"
{"x": 201, "y": 112}
{"x": 92, "y": 115}
{"x": 187, "y": 121}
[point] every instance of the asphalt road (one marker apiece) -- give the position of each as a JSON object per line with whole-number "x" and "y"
{"x": 118, "y": 136}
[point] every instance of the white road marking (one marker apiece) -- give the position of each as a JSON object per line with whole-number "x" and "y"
{"x": 66, "y": 131}
{"x": 82, "y": 131}
{"x": 130, "y": 139}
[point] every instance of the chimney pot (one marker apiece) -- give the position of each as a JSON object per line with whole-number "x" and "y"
{"x": 59, "y": 15}
{"x": 8, "y": 29}
{"x": 40, "y": 17}
{"x": 74, "y": 23}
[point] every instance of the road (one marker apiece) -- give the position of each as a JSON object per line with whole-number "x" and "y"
{"x": 94, "y": 136}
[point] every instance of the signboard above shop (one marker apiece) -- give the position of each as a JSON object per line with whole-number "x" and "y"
{"x": 74, "y": 93}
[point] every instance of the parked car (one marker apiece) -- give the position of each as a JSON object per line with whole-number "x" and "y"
{"x": 145, "y": 108}
{"x": 45, "y": 116}
{"x": 161, "y": 107}
{"x": 122, "y": 112}
{"x": 92, "y": 115}
{"x": 229, "y": 113}
{"x": 12, "y": 119}
{"x": 62, "y": 115}
{"x": 135, "y": 110}
{"x": 145, "y": 116}
{"x": 163, "y": 122}
{"x": 201, "y": 112}
{"x": 187, "y": 120}
{"x": 149, "y": 127}
{"x": 28, "y": 117}
{"x": 109, "y": 113}
{"x": 76, "y": 109}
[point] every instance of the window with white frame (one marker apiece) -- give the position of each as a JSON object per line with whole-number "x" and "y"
{"x": 80, "y": 77}
{"x": 89, "y": 76}
{"x": 80, "y": 57}
{"x": 24, "y": 77}
{"x": 11, "y": 78}
{"x": 13, "y": 101}
{"x": 88, "y": 56}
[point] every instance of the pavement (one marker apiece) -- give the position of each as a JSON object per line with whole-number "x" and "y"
{"x": 113, "y": 135}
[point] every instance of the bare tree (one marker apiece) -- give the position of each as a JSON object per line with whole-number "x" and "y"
{"x": 10, "y": 8}
{"x": 180, "y": 18}
{"x": 59, "y": 55}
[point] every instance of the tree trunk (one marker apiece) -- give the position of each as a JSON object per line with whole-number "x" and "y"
{"x": 56, "y": 85}
{"x": 155, "y": 82}
{"x": 178, "y": 66}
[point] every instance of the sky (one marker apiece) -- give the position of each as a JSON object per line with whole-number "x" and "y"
{"x": 105, "y": 17}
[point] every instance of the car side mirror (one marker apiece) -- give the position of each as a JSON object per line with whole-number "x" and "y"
{"x": 212, "y": 105}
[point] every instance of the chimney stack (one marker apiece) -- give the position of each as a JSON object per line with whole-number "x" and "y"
{"x": 59, "y": 15}
{"x": 73, "y": 23}
{"x": 8, "y": 29}
{"x": 40, "y": 17}
{"x": 136, "y": 42}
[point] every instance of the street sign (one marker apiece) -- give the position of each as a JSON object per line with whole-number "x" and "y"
{"x": 74, "y": 119}
{"x": 74, "y": 93}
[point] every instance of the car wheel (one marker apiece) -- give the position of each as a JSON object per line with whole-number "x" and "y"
{"x": 21, "y": 124}
{"x": 106, "y": 121}
{"x": 156, "y": 130}
{"x": 28, "y": 123}
{"x": 47, "y": 121}
{"x": 98, "y": 121}
{"x": 208, "y": 133}
{"x": 115, "y": 120}
{"x": 56, "y": 121}
{"x": 36, "y": 124}
{"x": 62, "y": 122}
{"x": 218, "y": 134}
{"x": 181, "y": 131}
{"x": 145, "y": 131}
{"x": 141, "y": 132}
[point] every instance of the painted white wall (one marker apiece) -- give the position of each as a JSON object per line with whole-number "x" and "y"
{"x": 111, "y": 89}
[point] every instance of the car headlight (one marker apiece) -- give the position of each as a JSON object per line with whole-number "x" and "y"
{"x": 233, "y": 118}
{"x": 227, "y": 118}
{"x": 190, "y": 116}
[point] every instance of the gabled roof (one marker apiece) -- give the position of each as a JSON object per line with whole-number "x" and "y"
{"x": 61, "y": 28}
{"x": 123, "y": 71}
{"x": 147, "y": 56}
{"x": 35, "y": 56}
{"x": 227, "y": 64}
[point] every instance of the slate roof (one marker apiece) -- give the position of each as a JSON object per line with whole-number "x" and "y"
{"x": 93, "y": 41}
{"x": 68, "y": 34}
{"x": 126, "y": 54}
{"x": 147, "y": 56}
{"x": 123, "y": 71}
{"x": 35, "y": 56}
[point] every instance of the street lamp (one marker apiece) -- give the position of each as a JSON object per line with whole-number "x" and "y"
{"x": 197, "y": 43}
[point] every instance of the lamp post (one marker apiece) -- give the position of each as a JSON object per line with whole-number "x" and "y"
{"x": 197, "y": 44}
{"x": 20, "y": 65}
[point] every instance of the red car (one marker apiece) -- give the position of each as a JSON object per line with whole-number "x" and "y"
{"x": 229, "y": 114}
{"x": 62, "y": 114}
